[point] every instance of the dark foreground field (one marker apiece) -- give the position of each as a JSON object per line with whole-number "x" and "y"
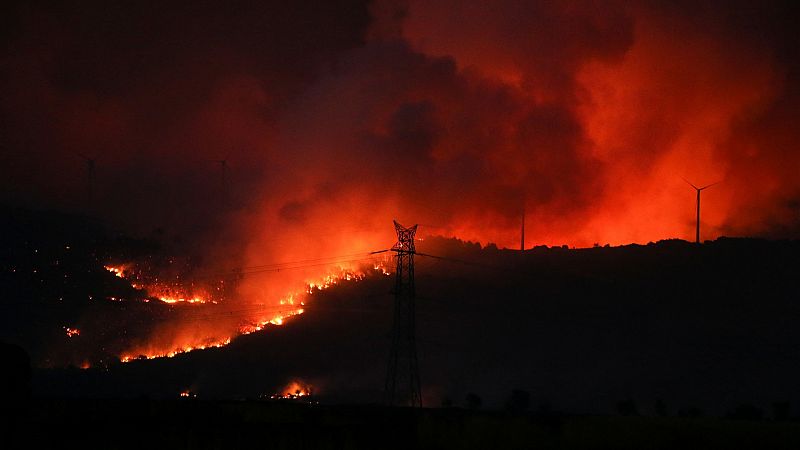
{"x": 193, "y": 424}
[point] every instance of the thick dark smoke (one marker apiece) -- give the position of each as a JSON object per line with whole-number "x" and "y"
{"x": 334, "y": 119}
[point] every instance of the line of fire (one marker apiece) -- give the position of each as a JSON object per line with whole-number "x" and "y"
{"x": 400, "y": 224}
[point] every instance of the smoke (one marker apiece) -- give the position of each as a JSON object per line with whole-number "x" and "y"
{"x": 654, "y": 93}
{"x": 457, "y": 115}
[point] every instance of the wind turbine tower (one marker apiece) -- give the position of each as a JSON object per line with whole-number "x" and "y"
{"x": 697, "y": 223}
{"x": 522, "y": 234}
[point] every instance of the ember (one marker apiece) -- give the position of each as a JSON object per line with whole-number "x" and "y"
{"x": 71, "y": 332}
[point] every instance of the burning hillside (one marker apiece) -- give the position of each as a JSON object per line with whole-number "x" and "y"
{"x": 86, "y": 299}
{"x": 201, "y": 317}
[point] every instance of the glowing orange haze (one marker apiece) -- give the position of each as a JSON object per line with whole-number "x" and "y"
{"x": 235, "y": 316}
{"x": 656, "y": 97}
{"x": 447, "y": 113}
{"x": 451, "y": 114}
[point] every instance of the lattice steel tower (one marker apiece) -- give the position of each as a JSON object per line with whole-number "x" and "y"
{"x": 402, "y": 377}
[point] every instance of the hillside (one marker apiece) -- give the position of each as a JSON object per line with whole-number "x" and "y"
{"x": 702, "y": 328}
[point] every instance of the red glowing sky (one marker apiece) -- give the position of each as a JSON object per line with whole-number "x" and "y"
{"x": 335, "y": 120}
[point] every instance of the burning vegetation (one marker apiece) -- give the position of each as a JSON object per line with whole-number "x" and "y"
{"x": 293, "y": 391}
{"x": 101, "y": 298}
{"x": 217, "y": 319}
{"x": 71, "y": 332}
{"x": 172, "y": 290}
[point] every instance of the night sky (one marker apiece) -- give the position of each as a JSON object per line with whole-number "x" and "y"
{"x": 274, "y": 142}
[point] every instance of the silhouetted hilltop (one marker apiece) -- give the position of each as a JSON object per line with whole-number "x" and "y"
{"x": 701, "y": 328}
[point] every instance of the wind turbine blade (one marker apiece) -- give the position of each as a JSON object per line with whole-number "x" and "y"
{"x": 709, "y": 185}
{"x": 689, "y": 182}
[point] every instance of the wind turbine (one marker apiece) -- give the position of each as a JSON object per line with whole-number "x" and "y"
{"x": 524, "y": 201}
{"x": 698, "y": 189}
{"x": 522, "y": 234}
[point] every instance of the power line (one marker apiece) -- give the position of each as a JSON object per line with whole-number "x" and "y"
{"x": 290, "y": 265}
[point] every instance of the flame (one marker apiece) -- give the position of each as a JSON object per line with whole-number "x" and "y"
{"x": 117, "y": 270}
{"x": 294, "y": 390}
{"x": 173, "y": 293}
{"x": 172, "y": 300}
{"x": 381, "y": 267}
{"x": 72, "y": 331}
{"x": 294, "y": 301}
{"x": 173, "y": 353}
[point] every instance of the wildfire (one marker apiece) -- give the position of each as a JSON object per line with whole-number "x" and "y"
{"x": 188, "y": 394}
{"x": 380, "y": 267}
{"x": 276, "y": 320}
{"x": 294, "y": 390}
{"x": 172, "y": 300}
{"x": 117, "y": 270}
{"x": 71, "y": 332}
{"x": 176, "y": 352}
{"x": 259, "y": 320}
{"x": 172, "y": 294}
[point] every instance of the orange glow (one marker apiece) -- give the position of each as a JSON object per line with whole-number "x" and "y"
{"x": 116, "y": 270}
{"x": 219, "y": 328}
{"x": 71, "y": 332}
{"x": 294, "y": 390}
{"x": 177, "y": 351}
{"x": 172, "y": 300}
{"x": 172, "y": 293}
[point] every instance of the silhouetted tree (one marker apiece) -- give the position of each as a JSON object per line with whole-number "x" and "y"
{"x": 545, "y": 408}
{"x": 781, "y": 411}
{"x": 661, "y": 408}
{"x": 447, "y": 402}
{"x": 690, "y": 411}
{"x": 627, "y": 407}
{"x": 519, "y": 401}
{"x": 15, "y": 381}
{"x": 473, "y": 401}
{"x": 746, "y": 411}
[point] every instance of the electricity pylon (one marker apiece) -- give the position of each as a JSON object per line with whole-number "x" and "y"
{"x": 402, "y": 377}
